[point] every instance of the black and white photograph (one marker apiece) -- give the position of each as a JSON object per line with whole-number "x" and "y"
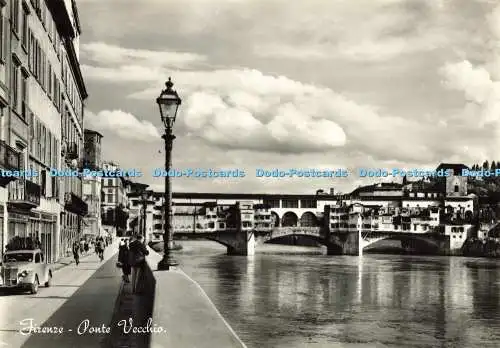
{"x": 249, "y": 173}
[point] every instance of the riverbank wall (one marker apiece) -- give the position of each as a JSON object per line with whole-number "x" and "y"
{"x": 183, "y": 315}
{"x": 481, "y": 248}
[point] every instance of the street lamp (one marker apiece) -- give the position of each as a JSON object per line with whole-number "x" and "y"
{"x": 169, "y": 103}
{"x": 144, "y": 197}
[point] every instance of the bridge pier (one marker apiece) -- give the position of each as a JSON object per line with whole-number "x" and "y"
{"x": 243, "y": 244}
{"x": 344, "y": 244}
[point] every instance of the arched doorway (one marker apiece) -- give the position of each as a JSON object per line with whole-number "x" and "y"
{"x": 275, "y": 219}
{"x": 308, "y": 219}
{"x": 290, "y": 219}
{"x": 468, "y": 216}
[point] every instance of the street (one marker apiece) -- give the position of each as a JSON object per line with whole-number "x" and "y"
{"x": 87, "y": 291}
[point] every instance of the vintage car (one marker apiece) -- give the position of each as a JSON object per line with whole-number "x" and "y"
{"x": 25, "y": 269}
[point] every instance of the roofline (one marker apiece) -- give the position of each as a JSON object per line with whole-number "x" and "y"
{"x": 74, "y": 8}
{"x": 259, "y": 196}
{"x": 86, "y": 130}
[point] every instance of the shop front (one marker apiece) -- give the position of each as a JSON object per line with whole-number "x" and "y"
{"x": 39, "y": 226}
{"x": 71, "y": 222}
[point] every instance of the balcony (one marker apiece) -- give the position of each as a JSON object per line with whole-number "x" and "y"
{"x": 75, "y": 204}
{"x": 72, "y": 151}
{"x": 10, "y": 160}
{"x": 24, "y": 194}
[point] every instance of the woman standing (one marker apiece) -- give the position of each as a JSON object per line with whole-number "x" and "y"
{"x": 123, "y": 258}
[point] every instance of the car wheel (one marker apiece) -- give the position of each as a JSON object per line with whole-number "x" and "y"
{"x": 34, "y": 286}
{"x": 49, "y": 280}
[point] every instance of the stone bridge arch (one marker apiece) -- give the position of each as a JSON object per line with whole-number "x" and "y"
{"x": 275, "y": 218}
{"x": 289, "y": 219}
{"x": 317, "y": 239}
{"x": 236, "y": 242}
{"x": 431, "y": 243}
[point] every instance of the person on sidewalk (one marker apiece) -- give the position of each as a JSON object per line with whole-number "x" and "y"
{"x": 76, "y": 252}
{"x": 100, "y": 248}
{"x": 123, "y": 259}
{"x": 82, "y": 246}
{"x": 137, "y": 259}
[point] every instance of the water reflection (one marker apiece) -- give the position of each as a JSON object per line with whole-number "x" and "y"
{"x": 314, "y": 300}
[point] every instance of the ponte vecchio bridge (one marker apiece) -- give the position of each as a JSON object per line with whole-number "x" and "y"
{"x": 241, "y": 242}
{"x": 315, "y": 217}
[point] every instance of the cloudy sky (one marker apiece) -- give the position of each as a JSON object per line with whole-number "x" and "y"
{"x": 302, "y": 84}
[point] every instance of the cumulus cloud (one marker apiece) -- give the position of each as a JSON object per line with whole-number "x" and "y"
{"x": 123, "y": 124}
{"x": 248, "y": 109}
{"x": 481, "y": 88}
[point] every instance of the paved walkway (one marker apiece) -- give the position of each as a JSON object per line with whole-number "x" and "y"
{"x": 86, "y": 315}
{"x": 68, "y": 260}
{"x": 129, "y": 306}
{"x": 74, "y": 291}
{"x": 189, "y": 317}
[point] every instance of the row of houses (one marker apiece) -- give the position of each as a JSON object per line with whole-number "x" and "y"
{"x": 42, "y": 97}
{"x": 42, "y": 102}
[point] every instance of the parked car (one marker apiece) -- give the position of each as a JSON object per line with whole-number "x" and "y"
{"x": 25, "y": 269}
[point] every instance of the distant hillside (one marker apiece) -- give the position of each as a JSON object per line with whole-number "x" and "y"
{"x": 487, "y": 186}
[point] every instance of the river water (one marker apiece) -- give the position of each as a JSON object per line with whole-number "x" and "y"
{"x": 296, "y": 297}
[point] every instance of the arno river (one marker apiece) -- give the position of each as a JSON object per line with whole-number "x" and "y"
{"x": 295, "y": 297}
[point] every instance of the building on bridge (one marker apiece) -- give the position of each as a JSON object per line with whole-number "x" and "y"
{"x": 422, "y": 207}
{"x": 290, "y": 210}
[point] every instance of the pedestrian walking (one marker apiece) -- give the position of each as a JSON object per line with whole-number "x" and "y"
{"x": 137, "y": 260}
{"x": 82, "y": 244}
{"x": 86, "y": 246}
{"x": 123, "y": 260}
{"x": 100, "y": 248}
{"x": 76, "y": 252}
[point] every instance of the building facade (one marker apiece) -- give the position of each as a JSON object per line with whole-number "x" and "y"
{"x": 92, "y": 184}
{"x": 41, "y": 102}
{"x": 114, "y": 201}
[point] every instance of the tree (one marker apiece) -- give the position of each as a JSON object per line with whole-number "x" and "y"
{"x": 493, "y": 165}
{"x": 486, "y": 165}
{"x": 116, "y": 217}
{"x": 121, "y": 217}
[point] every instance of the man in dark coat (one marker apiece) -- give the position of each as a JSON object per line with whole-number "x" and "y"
{"x": 137, "y": 259}
{"x": 123, "y": 258}
{"x": 76, "y": 252}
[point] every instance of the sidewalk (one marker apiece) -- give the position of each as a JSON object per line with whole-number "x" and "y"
{"x": 92, "y": 304}
{"x": 68, "y": 260}
{"x": 129, "y": 306}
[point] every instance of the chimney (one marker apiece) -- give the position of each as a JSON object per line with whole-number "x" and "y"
{"x": 332, "y": 191}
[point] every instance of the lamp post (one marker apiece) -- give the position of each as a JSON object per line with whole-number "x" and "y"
{"x": 144, "y": 213}
{"x": 169, "y": 103}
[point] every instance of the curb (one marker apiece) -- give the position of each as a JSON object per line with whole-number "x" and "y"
{"x": 108, "y": 341}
